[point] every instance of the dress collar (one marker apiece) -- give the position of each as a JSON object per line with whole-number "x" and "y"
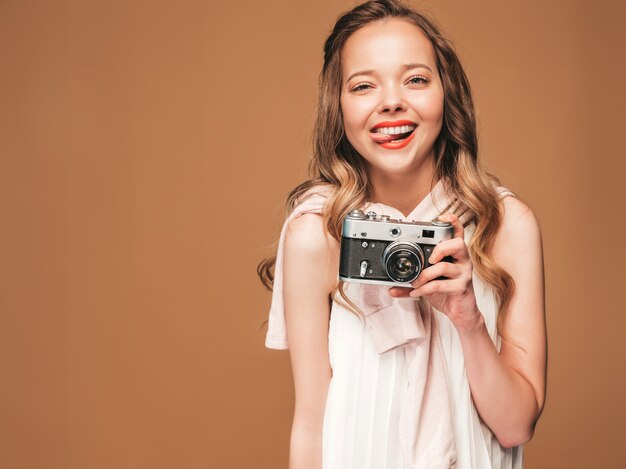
{"x": 436, "y": 199}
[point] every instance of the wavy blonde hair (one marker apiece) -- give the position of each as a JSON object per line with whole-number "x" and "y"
{"x": 339, "y": 167}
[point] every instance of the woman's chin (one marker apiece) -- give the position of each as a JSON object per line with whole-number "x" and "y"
{"x": 395, "y": 165}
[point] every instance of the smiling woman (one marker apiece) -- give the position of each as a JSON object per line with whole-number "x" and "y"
{"x": 398, "y": 78}
{"x": 448, "y": 373}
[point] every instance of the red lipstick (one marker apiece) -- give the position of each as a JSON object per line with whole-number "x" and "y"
{"x": 385, "y": 140}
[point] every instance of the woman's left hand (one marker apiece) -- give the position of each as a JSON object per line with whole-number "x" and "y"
{"x": 454, "y": 295}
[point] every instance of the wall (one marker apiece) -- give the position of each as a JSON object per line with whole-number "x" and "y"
{"x": 146, "y": 150}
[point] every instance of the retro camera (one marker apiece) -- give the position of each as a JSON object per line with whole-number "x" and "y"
{"x": 382, "y": 250}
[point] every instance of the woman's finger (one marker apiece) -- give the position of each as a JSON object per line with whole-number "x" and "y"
{"x": 454, "y": 221}
{"x": 445, "y": 269}
{"x": 400, "y": 292}
{"x": 454, "y": 247}
{"x": 464, "y": 217}
{"x": 440, "y": 286}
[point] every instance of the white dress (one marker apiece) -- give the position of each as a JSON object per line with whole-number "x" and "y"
{"x": 363, "y": 405}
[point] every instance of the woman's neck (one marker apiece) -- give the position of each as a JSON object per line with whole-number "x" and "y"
{"x": 403, "y": 191}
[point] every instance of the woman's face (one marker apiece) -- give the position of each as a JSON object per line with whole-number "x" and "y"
{"x": 391, "y": 95}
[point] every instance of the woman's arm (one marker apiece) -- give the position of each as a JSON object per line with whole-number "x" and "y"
{"x": 309, "y": 274}
{"x": 508, "y": 388}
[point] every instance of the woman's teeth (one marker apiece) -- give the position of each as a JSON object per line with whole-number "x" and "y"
{"x": 395, "y": 134}
{"x": 402, "y": 129}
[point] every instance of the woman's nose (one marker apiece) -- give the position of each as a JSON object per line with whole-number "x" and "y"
{"x": 392, "y": 101}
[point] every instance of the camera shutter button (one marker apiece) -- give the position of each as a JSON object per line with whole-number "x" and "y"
{"x": 358, "y": 214}
{"x": 440, "y": 223}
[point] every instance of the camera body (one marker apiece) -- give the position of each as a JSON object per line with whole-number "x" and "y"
{"x": 386, "y": 251}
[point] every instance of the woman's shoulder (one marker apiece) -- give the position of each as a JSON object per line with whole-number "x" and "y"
{"x": 513, "y": 208}
{"x": 307, "y": 208}
{"x": 307, "y": 221}
{"x": 305, "y": 224}
{"x": 309, "y": 245}
{"x": 519, "y": 229}
{"x": 315, "y": 195}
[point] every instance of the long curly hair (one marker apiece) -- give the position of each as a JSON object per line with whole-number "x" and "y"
{"x": 341, "y": 169}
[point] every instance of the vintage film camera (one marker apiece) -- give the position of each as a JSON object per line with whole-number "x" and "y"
{"x": 385, "y": 251}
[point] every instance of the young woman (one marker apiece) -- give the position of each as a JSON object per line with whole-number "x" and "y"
{"x": 451, "y": 372}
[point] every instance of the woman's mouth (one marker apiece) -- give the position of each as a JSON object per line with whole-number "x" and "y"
{"x": 393, "y": 135}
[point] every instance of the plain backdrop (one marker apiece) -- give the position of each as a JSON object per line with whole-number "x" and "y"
{"x": 146, "y": 151}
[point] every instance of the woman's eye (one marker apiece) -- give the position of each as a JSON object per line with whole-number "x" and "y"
{"x": 361, "y": 87}
{"x": 418, "y": 80}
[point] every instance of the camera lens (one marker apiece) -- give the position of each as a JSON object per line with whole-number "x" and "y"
{"x": 403, "y": 265}
{"x": 403, "y": 261}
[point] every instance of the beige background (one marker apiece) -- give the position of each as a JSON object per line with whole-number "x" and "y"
{"x": 146, "y": 150}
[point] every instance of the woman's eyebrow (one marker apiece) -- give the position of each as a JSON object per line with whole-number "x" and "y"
{"x": 404, "y": 67}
